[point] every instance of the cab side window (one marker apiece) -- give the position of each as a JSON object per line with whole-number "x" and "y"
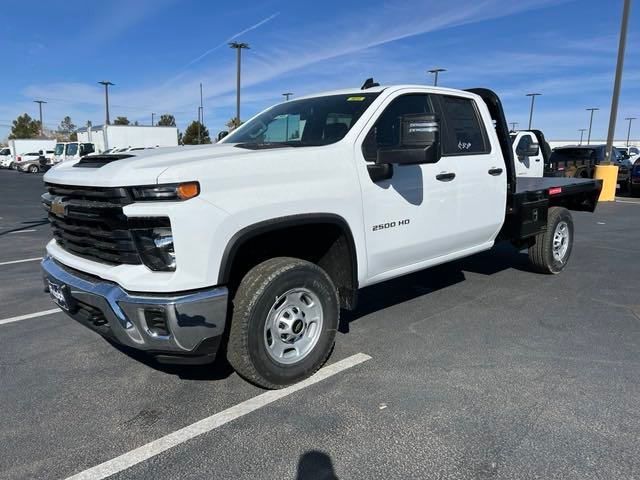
{"x": 386, "y": 131}
{"x": 462, "y": 130}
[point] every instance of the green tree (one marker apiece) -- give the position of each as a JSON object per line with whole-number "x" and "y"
{"x": 121, "y": 121}
{"x": 167, "y": 120}
{"x": 73, "y": 137}
{"x": 25, "y": 127}
{"x": 66, "y": 126}
{"x": 190, "y": 136}
{"x": 233, "y": 124}
{"x": 66, "y": 130}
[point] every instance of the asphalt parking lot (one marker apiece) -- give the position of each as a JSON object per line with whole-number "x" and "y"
{"x": 478, "y": 369}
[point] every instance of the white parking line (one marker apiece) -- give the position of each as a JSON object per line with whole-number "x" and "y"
{"x": 29, "y": 315}
{"x": 23, "y": 231}
{"x": 627, "y": 201}
{"x": 208, "y": 424}
{"x": 11, "y": 262}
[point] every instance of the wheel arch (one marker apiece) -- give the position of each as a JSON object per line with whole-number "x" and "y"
{"x": 346, "y": 280}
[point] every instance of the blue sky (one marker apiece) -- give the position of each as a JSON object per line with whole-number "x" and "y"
{"x": 158, "y": 51}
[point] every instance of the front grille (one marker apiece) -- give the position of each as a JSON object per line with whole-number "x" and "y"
{"x": 89, "y": 222}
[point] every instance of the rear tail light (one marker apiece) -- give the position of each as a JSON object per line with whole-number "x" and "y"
{"x": 19, "y": 158}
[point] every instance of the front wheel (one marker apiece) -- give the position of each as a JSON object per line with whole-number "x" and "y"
{"x": 33, "y": 169}
{"x": 552, "y": 249}
{"x": 285, "y": 317}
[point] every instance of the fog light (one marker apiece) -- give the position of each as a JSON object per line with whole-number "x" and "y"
{"x": 156, "y": 321}
{"x": 155, "y": 246}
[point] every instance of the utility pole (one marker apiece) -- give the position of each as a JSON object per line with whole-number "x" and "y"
{"x": 533, "y": 99}
{"x": 286, "y": 96}
{"x": 629, "y": 119}
{"x": 582, "y": 130}
{"x": 513, "y": 126}
{"x": 618, "y": 80}
{"x": 436, "y": 71}
{"x": 152, "y": 118}
{"x": 106, "y": 84}
{"x": 40, "y": 102}
{"x": 286, "y": 131}
{"x": 199, "y": 132}
{"x": 238, "y": 47}
{"x": 590, "y": 123}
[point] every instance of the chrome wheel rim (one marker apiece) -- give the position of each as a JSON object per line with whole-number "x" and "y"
{"x": 561, "y": 241}
{"x": 293, "y": 326}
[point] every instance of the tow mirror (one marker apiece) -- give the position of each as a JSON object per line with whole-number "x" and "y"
{"x": 419, "y": 142}
{"x": 530, "y": 150}
{"x": 222, "y": 134}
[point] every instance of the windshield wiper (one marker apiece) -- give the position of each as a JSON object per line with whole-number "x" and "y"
{"x": 263, "y": 145}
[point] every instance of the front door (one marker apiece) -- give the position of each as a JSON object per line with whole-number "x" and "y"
{"x": 410, "y": 217}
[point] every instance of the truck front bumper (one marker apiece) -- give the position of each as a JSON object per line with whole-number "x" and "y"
{"x": 176, "y": 328}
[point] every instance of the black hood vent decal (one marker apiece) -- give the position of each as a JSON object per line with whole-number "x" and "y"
{"x": 97, "y": 161}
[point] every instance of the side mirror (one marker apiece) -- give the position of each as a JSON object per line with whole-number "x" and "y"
{"x": 531, "y": 151}
{"x": 419, "y": 142}
{"x": 222, "y": 134}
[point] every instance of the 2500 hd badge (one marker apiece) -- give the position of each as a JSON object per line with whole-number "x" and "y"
{"x": 383, "y": 226}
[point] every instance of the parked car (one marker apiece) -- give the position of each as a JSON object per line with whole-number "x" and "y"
{"x": 31, "y": 166}
{"x": 580, "y": 161}
{"x": 634, "y": 185}
{"x": 25, "y": 157}
{"x": 256, "y": 256}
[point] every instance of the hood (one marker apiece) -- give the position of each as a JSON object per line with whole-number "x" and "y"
{"x": 142, "y": 168}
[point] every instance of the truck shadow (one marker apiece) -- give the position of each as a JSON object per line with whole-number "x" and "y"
{"x": 216, "y": 370}
{"x": 399, "y": 290}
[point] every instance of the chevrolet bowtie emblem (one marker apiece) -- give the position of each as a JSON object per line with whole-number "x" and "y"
{"x": 58, "y": 207}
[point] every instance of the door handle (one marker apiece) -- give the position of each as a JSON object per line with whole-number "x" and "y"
{"x": 495, "y": 171}
{"x": 445, "y": 177}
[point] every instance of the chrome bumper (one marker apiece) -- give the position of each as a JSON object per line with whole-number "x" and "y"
{"x": 167, "y": 325}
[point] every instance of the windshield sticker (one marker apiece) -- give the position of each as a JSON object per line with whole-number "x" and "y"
{"x": 356, "y": 99}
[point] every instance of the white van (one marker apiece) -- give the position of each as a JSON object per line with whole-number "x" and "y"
{"x": 6, "y": 158}
{"x": 66, "y": 151}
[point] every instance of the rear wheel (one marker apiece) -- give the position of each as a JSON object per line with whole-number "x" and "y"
{"x": 33, "y": 169}
{"x": 285, "y": 317}
{"x": 552, "y": 249}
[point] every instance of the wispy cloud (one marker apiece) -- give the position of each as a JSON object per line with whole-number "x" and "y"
{"x": 294, "y": 48}
{"x": 232, "y": 37}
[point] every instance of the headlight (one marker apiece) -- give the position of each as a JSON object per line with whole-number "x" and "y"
{"x": 173, "y": 191}
{"x": 155, "y": 247}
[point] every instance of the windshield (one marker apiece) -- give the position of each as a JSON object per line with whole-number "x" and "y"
{"x": 72, "y": 149}
{"x": 59, "y": 148}
{"x": 306, "y": 122}
{"x": 5, "y": 151}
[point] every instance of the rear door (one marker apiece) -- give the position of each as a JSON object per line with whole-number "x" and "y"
{"x": 474, "y": 153}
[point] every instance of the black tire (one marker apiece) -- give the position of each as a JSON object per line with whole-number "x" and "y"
{"x": 34, "y": 169}
{"x": 541, "y": 254}
{"x": 253, "y": 300}
{"x": 634, "y": 191}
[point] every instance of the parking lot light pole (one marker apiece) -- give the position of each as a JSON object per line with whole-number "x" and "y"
{"x": 617, "y": 83}
{"x": 286, "y": 96}
{"x": 152, "y": 118}
{"x": 40, "y": 102}
{"x": 582, "y": 130}
{"x": 238, "y": 46}
{"x": 436, "y": 71}
{"x": 629, "y": 119}
{"x": 533, "y": 99}
{"x": 513, "y": 126}
{"x": 590, "y": 123}
{"x": 106, "y": 84}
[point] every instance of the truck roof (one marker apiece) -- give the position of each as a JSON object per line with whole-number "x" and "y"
{"x": 359, "y": 91}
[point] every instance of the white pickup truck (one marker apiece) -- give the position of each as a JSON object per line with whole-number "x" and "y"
{"x": 253, "y": 245}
